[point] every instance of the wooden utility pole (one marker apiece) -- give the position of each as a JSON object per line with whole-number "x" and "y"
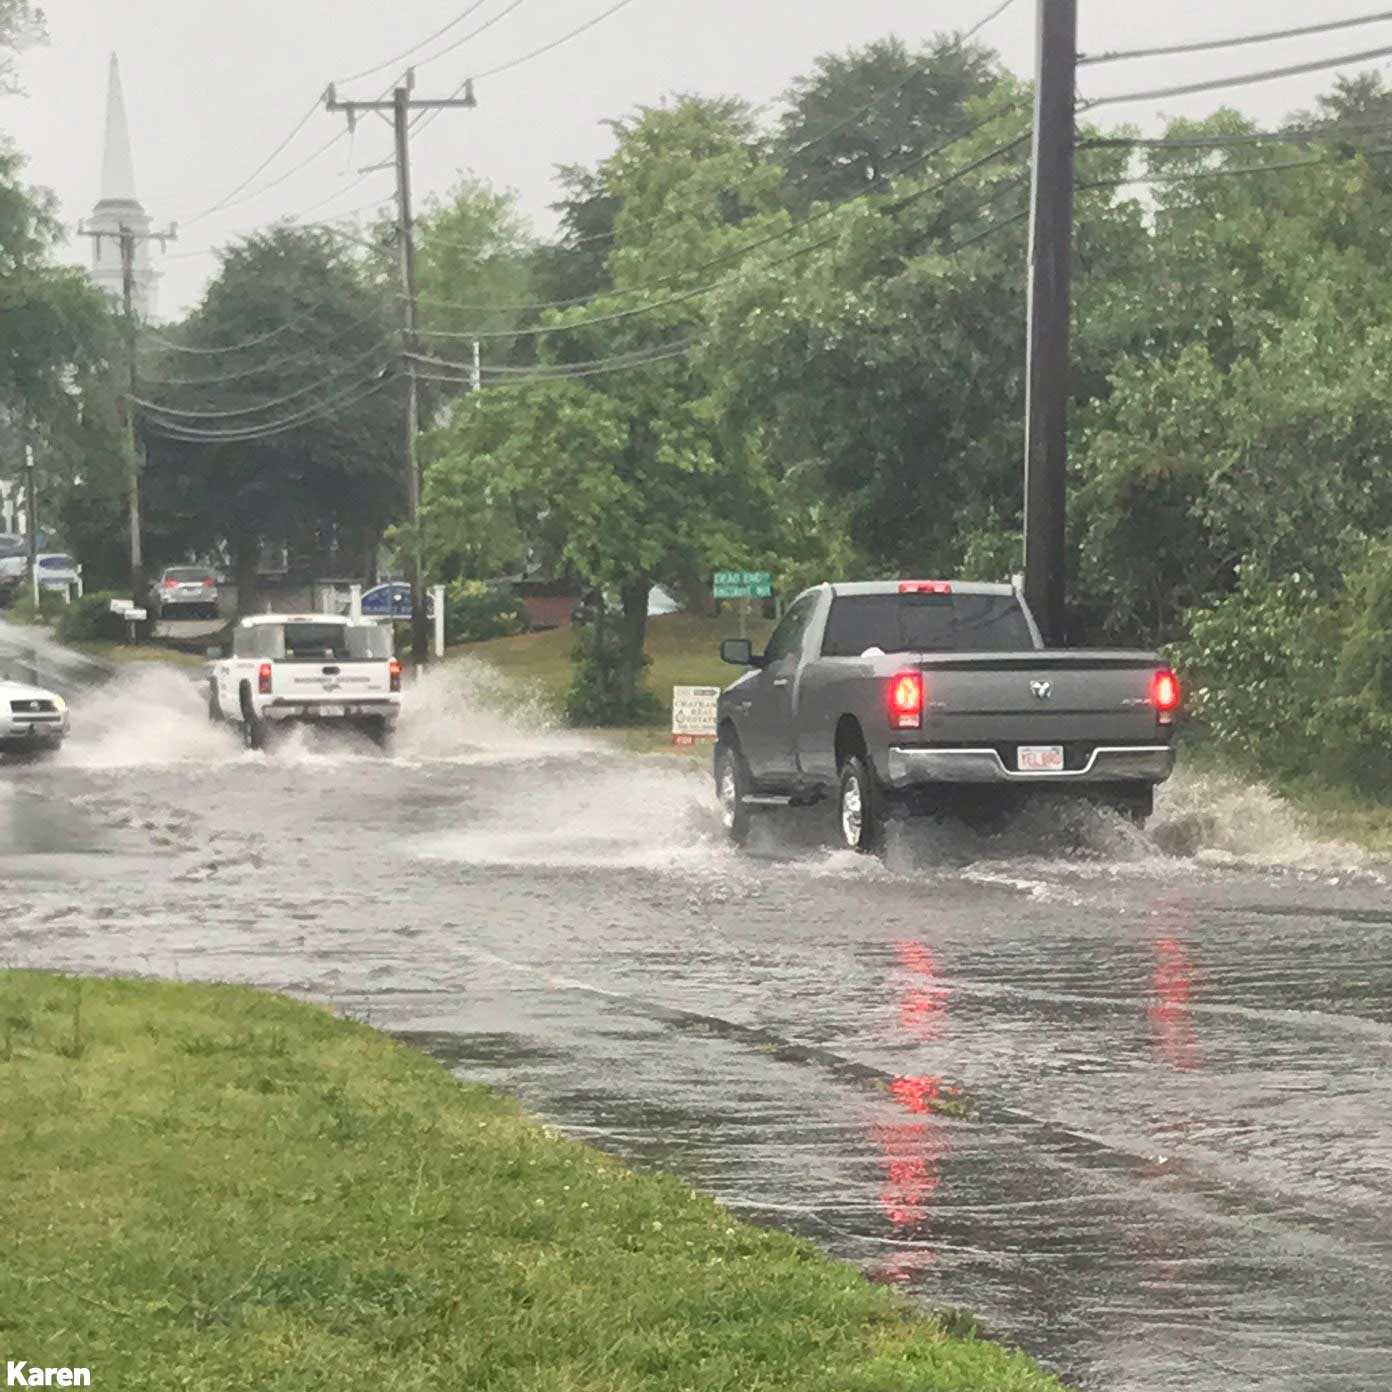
{"x": 1050, "y": 318}
{"x": 129, "y": 240}
{"x": 401, "y": 106}
{"x": 31, "y": 508}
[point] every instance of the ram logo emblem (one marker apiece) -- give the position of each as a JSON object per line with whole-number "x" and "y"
{"x": 1043, "y": 690}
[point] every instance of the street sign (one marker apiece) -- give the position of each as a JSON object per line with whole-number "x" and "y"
{"x": 743, "y": 584}
{"x": 694, "y": 713}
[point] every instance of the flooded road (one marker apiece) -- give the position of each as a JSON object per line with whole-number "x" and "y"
{"x": 1124, "y": 1097}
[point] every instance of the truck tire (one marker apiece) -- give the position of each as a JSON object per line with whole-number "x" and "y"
{"x": 860, "y": 808}
{"x": 733, "y": 783}
{"x": 254, "y": 732}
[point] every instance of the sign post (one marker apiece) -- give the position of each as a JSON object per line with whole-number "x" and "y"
{"x": 743, "y": 585}
{"x": 694, "y": 714}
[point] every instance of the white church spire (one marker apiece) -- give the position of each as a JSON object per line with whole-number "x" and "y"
{"x": 119, "y": 208}
{"x": 118, "y": 168}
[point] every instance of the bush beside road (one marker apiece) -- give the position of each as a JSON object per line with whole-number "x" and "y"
{"x": 210, "y": 1187}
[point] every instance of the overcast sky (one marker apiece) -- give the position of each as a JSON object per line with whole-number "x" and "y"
{"x": 213, "y": 86}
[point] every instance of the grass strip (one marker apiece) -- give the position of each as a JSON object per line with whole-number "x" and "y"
{"x": 208, "y": 1187}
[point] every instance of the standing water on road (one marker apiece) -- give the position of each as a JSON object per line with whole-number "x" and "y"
{"x": 1124, "y": 1095}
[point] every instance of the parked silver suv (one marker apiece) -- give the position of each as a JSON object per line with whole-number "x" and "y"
{"x": 185, "y": 592}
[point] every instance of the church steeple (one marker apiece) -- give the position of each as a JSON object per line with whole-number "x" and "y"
{"x": 119, "y": 208}
{"x": 118, "y": 168}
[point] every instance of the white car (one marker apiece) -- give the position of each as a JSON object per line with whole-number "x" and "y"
{"x": 315, "y": 668}
{"x": 32, "y": 720}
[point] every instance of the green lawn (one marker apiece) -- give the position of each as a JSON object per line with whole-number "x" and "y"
{"x": 685, "y": 651}
{"x": 211, "y": 1188}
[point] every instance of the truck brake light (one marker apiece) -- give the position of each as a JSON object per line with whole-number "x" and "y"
{"x": 1165, "y": 695}
{"x": 925, "y": 587}
{"x": 263, "y": 679}
{"x": 395, "y": 669}
{"x": 906, "y": 701}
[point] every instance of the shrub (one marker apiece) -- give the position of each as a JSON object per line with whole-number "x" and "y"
{"x": 23, "y": 610}
{"x": 1256, "y": 664}
{"x": 475, "y": 611}
{"x": 596, "y": 695}
{"x": 90, "y": 619}
{"x": 1357, "y": 723}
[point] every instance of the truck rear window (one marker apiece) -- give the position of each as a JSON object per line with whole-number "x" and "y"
{"x": 310, "y": 642}
{"x": 897, "y": 623}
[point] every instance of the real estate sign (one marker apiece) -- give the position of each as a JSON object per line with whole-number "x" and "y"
{"x": 694, "y": 713}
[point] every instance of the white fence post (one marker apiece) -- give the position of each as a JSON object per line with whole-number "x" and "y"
{"x": 439, "y": 592}
{"x": 355, "y": 602}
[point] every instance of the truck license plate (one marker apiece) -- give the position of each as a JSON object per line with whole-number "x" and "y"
{"x": 1041, "y": 758}
{"x": 333, "y": 712}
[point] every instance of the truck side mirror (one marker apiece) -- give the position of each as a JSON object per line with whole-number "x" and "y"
{"x": 739, "y": 652}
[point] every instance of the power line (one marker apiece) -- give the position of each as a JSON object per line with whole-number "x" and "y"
{"x": 554, "y": 44}
{"x": 472, "y": 34}
{"x": 638, "y": 354}
{"x": 1229, "y": 171}
{"x": 160, "y": 409}
{"x": 351, "y": 397}
{"x": 285, "y": 328}
{"x": 737, "y": 253}
{"x": 1292, "y": 135}
{"x": 416, "y": 47}
{"x": 1207, "y": 46}
{"x": 534, "y": 379}
{"x": 1242, "y": 80}
{"x": 260, "y": 169}
{"x": 623, "y": 292}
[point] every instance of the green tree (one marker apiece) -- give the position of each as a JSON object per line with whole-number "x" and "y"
{"x": 319, "y": 354}
{"x": 861, "y": 116}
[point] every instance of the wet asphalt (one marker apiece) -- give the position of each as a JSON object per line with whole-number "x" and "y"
{"x": 1125, "y": 1097}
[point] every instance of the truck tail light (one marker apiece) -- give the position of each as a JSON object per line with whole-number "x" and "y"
{"x": 263, "y": 679}
{"x": 169, "y": 582}
{"x": 395, "y": 669}
{"x": 906, "y": 701}
{"x": 939, "y": 587}
{"x": 1165, "y": 695}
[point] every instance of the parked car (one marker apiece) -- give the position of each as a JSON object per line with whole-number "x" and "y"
{"x": 32, "y": 720}
{"x": 928, "y": 696}
{"x": 306, "y": 668}
{"x": 185, "y": 592}
{"x": 14, "y": 564}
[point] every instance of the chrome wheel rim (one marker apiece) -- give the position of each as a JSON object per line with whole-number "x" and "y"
{"x": 852, "y": 812}
{"x": 729, "y": 793}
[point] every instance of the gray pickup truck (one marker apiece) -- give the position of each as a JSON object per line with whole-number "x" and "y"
{"x": 923, "y": 696}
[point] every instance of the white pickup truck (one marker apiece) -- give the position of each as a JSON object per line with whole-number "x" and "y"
{"x": 320, "y": 668}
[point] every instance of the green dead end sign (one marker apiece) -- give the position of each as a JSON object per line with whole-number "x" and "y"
{"x": 743, "y": 584}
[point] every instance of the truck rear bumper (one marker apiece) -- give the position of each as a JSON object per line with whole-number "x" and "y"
{"x": 1140, "y": 764}
{"x": 349, "y": 708}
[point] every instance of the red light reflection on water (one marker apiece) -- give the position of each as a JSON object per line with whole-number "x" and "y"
{"x": 1171, "y": 1018}
{"x": 923, "y": 1002}
{"x": 912, "y": 1151}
